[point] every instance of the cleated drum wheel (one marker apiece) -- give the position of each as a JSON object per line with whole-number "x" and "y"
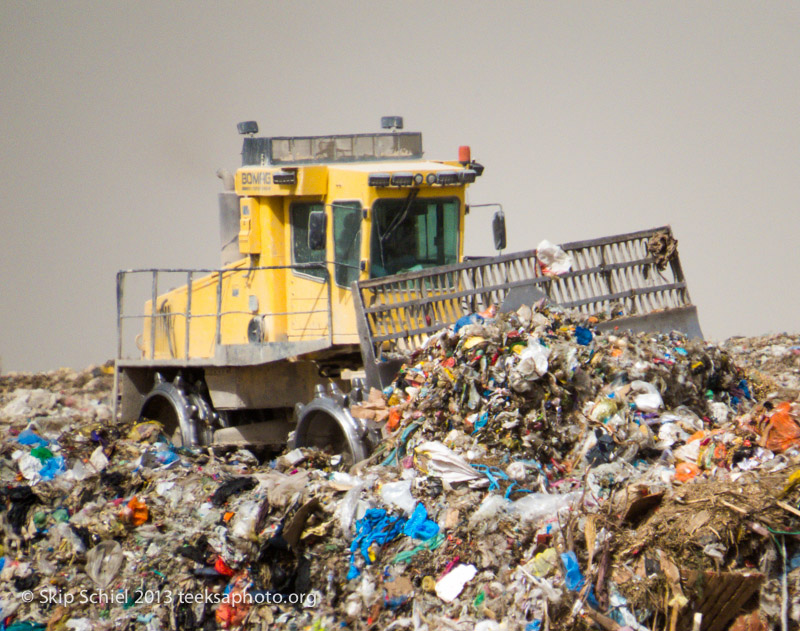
{"x": 178, "y": 411}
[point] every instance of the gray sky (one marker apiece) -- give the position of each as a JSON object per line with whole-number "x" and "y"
{"x": 591, "y": 119}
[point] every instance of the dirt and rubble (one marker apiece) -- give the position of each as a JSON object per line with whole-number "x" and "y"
{"x": 534, "y": 474}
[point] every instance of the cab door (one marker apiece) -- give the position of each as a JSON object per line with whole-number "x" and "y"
{"x": 308, "y": 286}
{"x": 346, "y": 243}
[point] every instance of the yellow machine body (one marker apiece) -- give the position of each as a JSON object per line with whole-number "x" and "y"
{"x": 291, "y": 302}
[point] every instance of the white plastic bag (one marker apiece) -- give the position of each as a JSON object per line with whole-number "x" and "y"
{"x": 533, "y": 363}
{"x": 244, "y": 522}
{"x": 552, "y": 258}
{"x": 438, "y": 460}
{"x": 29, "y": 467}
{"x": 648, "y": 398}
{"x": 346, "y": 510}
{"x": 103, "y": 562}
{"x": 533, "y": 360}
{"x": 98, "y": 459}
{"x": 399, "y": 494}
{"x": 535, "y": 506}
{"x": 489, "y": 511}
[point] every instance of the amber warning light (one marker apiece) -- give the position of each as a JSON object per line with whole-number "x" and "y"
{"x": 464, "y": 155}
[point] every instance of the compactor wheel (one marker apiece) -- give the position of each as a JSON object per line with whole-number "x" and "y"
{"x": 326, "y": 424}
{"x": 168, "y": 404}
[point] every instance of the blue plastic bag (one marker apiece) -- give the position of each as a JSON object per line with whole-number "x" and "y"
{"x": 574, "y": 578}
{"x": 167, "y": 457}
{"x": 375, "y": 527}
{"x": 472, "y": 318}
{"x": 483, "y": 419}
{"x": 52, "y": 467}
{"x": 29, "y": 437}
{"x": 419, "y": 526}
{"x": 583, "y": 336}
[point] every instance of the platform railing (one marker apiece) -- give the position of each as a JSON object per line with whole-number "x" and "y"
{"x": 156, "y": 320}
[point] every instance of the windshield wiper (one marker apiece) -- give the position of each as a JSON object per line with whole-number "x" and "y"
{"x": 401, "y": 217}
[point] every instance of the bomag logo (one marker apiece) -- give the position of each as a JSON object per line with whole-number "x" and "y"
{"x": 256, "y": 179}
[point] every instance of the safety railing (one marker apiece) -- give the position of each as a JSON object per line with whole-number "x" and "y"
{"x": 157, "y": 324}
{"x": 617, "y": 274}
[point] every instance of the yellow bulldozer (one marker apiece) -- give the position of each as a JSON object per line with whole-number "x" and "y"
{"x": 340, "y": 255}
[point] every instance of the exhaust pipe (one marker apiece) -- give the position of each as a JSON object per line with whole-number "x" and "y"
{"x": 227, "y": 179}
{"x": 228, "y": 219}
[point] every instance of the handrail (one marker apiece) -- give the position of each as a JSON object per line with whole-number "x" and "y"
{"x": 218, "y": 313}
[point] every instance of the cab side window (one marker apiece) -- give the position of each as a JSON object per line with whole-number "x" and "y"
{"x": 301, "y": 253}
{"x": 346, "y": 241}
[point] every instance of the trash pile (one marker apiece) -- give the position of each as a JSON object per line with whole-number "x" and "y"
{"x": 773, "y": 360}
{"x": 534, "y": 474}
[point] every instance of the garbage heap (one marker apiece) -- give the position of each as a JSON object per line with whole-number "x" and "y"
{"x": 534, "y": 474}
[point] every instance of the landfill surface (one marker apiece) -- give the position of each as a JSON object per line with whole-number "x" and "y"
{"x": 534, "y": 474}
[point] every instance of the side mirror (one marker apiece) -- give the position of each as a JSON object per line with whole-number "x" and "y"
{"x": 499, "y": 230}
{"x": 317, "y": 228}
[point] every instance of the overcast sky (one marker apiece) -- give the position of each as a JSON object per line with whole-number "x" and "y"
{"x": 591, "y": 119}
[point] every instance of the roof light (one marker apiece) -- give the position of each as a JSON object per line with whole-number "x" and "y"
{"x": 379, "y": 179}
{"x": 418, "y": 179}
{"x": 402, "y": 179}
{"x": 447, "y": 178}
{"x": 247, "y": 127}
{"x": 467, "y": 176}
{"x": 391, "y": 122}
{"x": 285, "y": 177}
{"x": 431, "y": 178}
{"x": 464, "y": 155}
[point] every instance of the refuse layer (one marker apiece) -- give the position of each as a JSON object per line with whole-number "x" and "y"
{"x": 590, "y": 480}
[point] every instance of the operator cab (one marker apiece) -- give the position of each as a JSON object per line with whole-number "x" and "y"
{"x": 391, "y": 210}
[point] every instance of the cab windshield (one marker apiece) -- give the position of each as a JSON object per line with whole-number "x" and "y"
{"x": 412, "y": 234}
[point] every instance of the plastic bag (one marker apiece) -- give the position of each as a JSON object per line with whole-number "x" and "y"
{"x": 346, "y": 511}
{"x": 604, "y": 409}
{"x": 574, "y": 578}
{"x": 552, "y": 258}
{"x": 244, "y": 523}
{"x": 438, "y": 460}
{"x": 419, "y": 526}
{"x": 583, "y": 336}
{"x": 488, "y": 511}
{"x": 135, "y": 512}
{"x": 79, "y": 471}
{"x": 103, "y": 562}
{"x": 52, "y": 467}
{"x": 399, "y": 494}
{"x": 538, "y": 505}
{"x": 781, "y": 431}
{"x": 98, "y": 459}
{"x": 544, "y": 563}
{"x": 533, "y": 364}
{"x": 533, "y": 361}
{"x": 649, "y": 398}
{"x": 29, "y": 437}
{"x": 30, "y": 467}
{"x": 685, "y": 471}
{"x": 669, "y": 434}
